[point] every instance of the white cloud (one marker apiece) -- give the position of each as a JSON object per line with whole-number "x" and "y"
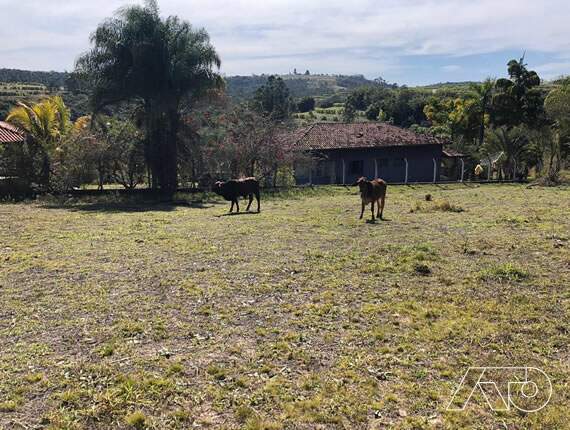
{"x": 336, "y": 36}
{"x": 452, "y": 68}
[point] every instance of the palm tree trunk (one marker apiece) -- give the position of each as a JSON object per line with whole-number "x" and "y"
{"x": 162, "y": 149}
{"x": 169, "y": 179}
{"x": 482, "y": 129}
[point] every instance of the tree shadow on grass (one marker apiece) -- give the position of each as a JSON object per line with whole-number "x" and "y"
{"x": 130, "y": 207}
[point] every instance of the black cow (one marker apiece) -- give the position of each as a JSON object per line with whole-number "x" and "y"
{"x": 233, "y": 189}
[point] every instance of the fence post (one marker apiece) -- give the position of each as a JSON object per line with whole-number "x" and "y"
{"x": 375, "y": 168}
{"x": 406, "y": 177}
{"x": 434, "y": 170}
{"x": 343, "y": 172}
{"x": 462, "y": 168}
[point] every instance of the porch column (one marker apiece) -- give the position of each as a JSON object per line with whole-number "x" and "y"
{"x": 375, "y": 168}
{"x": 343, "y": 172}
{"x": 462, "y": 169}
{"x": 434, "y": 170}
{"x": 406, "y": 177}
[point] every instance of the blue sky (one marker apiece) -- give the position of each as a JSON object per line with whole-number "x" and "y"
{"x": 404, "y": 41}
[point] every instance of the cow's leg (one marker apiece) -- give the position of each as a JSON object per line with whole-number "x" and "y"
{"x": 232, "y": 207}
{"x": 249, "y": 204}
{"x": 258, "y": 201}
{"x": 237, "y": 204}
{"x": 382, "y": 200}
{"x": 372, "y": 209}
{"x": 362, "y": 211}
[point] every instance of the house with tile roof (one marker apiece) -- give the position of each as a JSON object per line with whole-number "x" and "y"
{"x": 10, "y": 134}
{"x": 11, "y": 140}
{"x": 347, "y": 151}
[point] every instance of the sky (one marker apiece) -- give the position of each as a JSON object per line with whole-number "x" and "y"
{"x": 410, "y": 42}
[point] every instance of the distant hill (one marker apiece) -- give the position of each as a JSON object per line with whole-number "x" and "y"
{"x": 452, "y": 87}
{"x": 48, "y": 79}
{"x": 318, "y": 86}
{"x": 32, "y": 86}
{"x": 28, "y": 85}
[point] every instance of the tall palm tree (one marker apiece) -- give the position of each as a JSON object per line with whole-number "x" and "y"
{"x": 557, "y": 105}
{"x": 46, "y": 124}
{"x": 138, "y": 56}
{"x": 512, "y": 142}
{"x": 482, "y": 93}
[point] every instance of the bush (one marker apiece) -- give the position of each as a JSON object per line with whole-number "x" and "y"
{"x": 372, "y": 112}
{"x": 306, "y": 104}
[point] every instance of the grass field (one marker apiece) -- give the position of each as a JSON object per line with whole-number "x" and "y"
{"x": 130, "y": 316}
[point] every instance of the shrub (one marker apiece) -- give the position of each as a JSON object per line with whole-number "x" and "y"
{"x": 306, "y": 104}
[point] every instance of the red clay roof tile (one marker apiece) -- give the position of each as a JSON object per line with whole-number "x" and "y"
{"x": 322, "y": 136}
{"x": 10, "y": 134}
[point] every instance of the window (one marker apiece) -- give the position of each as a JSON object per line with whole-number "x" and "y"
{"x": 356, "y": 167}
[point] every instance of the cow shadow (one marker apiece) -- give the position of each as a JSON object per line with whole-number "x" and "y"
{"x": 378, "y": 221}
{"x": 237, "y": 214}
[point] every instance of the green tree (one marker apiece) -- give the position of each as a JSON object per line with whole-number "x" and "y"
{"x": 482, "y": 93}
{"x": 272, "y": 99}
{"x": 349, "y": 112}
{"x": 459, "y": 116}
{"x": 513, "y": 142}
{"x": 404, "y": 107}
{"x": 518, "y": 99}
{"x": 557, "y": 106}
{"x": 163, "y": 63}
{"x": 47, "y": 123}
{"x": 372, "y": 112}
{"x": 306, "y": 104}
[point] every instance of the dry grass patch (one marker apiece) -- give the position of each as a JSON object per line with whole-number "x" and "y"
{"x": 136, "y": 315}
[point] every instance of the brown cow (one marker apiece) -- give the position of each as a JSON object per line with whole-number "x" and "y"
{"x": 372, "y": 192}
{"x": 233, "y": 189}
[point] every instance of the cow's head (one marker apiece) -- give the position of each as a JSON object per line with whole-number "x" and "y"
{"x": 362, "y": 183}
{"x": 217, "y": 188}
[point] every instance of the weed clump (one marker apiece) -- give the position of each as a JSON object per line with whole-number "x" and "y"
{"x": 507, "y": 272}
{"x": 437, "y": 206}
{"x": 136, "y": 420}
{"x": 422, "y": 269}
{"x": 8, "y": 406}
{"x": 445, "y": 206}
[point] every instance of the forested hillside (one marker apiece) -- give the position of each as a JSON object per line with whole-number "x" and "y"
{"x": 244, "y": 87}
{"x": 49, "y": 79}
